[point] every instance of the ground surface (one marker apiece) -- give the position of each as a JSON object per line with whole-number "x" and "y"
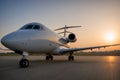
{"x": 83, "y": 68}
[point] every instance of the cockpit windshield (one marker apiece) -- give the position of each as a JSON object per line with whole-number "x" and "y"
{"x": 36, "y": 27}
{"x": 28, "y": 27}
{"x": 32, "y": 27}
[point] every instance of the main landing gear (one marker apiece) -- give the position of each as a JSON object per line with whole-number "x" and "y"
{"x": 49, "y": 57}
{"x": 24, "y": 62}
{"x": 71, "y": 57}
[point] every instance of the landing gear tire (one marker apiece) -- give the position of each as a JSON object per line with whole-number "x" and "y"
{"x": 70, "y": 58}
{"x": 49, "y": 57}
{"x": 24, "y": 63}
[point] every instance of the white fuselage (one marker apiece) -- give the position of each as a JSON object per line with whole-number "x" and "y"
{"x": 33, "y": 41}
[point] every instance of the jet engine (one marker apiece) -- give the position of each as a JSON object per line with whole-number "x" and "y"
{"x": 72, "y": 37}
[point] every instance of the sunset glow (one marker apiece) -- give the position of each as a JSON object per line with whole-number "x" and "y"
{"x": 99, "y": 18}
{"x": 110, "y": 37}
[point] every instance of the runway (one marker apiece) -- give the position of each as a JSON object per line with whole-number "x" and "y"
{"x": 83, "y": 68}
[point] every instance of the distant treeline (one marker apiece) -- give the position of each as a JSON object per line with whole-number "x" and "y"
{"x": 100, "y": 53}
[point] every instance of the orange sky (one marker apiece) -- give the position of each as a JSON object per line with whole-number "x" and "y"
{"x": 98, "y": 17}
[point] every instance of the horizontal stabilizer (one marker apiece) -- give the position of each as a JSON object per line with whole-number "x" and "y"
{"x": 66, "y": 27}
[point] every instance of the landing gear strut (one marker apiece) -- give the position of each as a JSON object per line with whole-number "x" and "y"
{"x": 71, "y": 57}
{"x": 49, "y": 57}
{"x": 24, "y": 62}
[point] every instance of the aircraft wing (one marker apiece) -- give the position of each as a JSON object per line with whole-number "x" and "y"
{"x": 86, "y": 48}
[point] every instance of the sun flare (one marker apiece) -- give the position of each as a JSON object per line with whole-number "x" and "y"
{"x": 110, "y": 37}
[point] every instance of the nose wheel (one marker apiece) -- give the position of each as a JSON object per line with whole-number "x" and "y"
{"x": 24, "y": 62}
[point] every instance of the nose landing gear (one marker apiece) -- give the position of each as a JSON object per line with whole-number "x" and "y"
{"x": 24, "y": 62}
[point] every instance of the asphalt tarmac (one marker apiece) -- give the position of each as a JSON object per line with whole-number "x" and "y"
{"x": 83, "y": 68}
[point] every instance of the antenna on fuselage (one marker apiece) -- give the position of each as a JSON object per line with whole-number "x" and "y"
{"x": 65, "y": 29}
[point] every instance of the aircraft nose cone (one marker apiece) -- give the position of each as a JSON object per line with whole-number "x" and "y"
{"x": 2, "y": 41}
{"x": 7, "y": 40}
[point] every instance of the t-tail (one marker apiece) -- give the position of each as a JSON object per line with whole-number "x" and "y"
{"x": 71, "y": 37}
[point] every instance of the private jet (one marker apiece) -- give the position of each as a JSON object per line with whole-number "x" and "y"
{"x": 36, "y": 38}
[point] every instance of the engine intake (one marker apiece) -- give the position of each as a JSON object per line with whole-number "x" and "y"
{"x": 72, "y": 37}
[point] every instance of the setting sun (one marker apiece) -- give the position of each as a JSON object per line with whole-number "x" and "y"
{"x": 110, "y": 37}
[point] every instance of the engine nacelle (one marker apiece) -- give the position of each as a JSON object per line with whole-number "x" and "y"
{"x": 72, "y": 37}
